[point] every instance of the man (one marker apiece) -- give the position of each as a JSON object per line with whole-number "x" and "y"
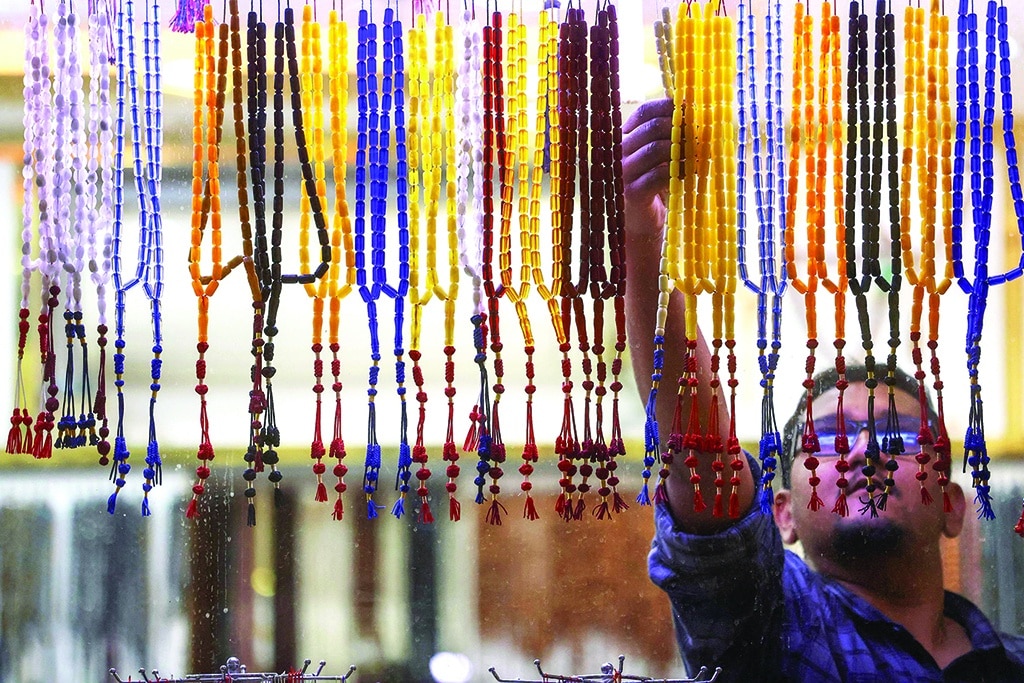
{"x": 868, "y": 604}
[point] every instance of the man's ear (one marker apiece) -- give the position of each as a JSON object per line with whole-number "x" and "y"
{"x": 953, "y": 521}
{"x": 784, "y": 516}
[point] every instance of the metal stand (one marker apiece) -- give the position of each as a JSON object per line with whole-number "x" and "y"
{"x": 609, "y": 674}
{"x": 234, "y": 672}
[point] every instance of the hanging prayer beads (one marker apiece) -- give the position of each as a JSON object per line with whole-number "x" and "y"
{"x": 802, "y": 118}
{"x": 311, "y": 80}
{"x": 341, "y": 236}
{"x": 491, "y": 448}
{"x": 517, "y": 181}
{"x": 927, "y": 139}
{"x": 768, "y": 179}
{"x": 149, "y": 269}
{"x": 469, "y": 171}
{"x": 977, "y": 126}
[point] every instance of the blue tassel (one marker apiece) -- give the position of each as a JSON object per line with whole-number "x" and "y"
{"x": 112, "y": 502}
{"x": 644, "y": 498}
{"x": 767, "y": 500}
{"x": 371, "y": 510}
{"x": 983, "y": 499}
{"x": 145, "y": 507}
{"x": 399, "y": 508}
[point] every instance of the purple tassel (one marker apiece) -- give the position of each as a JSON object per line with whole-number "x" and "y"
{"x": 189, "y": 12}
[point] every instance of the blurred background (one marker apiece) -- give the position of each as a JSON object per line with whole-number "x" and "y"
{"x": 81, "y": 591}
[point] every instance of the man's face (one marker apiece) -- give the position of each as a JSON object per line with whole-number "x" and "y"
{"x": 903, "y": 525}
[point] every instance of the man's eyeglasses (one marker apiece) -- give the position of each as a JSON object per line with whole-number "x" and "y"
{"x": 827, "y": 431}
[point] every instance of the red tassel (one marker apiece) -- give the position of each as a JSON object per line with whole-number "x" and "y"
{"x": 472, "y": 440}
{"x": 46, "y": 448}
{"x": 454, "y": 509}
{"x": 14, "y": 442}
{"x": 947, "y": 504}
{"x": 27, "y": 445}
{"x": 734, "y": 505}
{"x": 1019, "y": 529}
{"x": 494, "y": 512}
{"x": 698, "y": 501}
{"x": 660, "y": 494}
{"x": 841, "y": 508}
{"x": 426, "y": 516}
{"x": 339, "y": 509}
{"x": 192, "y": 511}
{"x": 618, "y": 504}
{"x": 258, "y": 464}
{"x": 560, "y": 505}
{"x": 816, "y": 503}
{"x": 716, "y": 509}
{"x": 926, "y": 498}
{"x": 530, "y": 510}
{"x": 321, "y": 493}
{"x": 601, "y": 511}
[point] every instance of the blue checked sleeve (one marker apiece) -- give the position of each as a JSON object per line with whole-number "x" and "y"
{"x": 726, "y": 594}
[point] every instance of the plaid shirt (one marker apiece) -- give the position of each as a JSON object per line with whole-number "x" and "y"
{"x": 741, "y": 602}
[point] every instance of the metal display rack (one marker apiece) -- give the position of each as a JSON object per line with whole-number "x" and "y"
{"x": 235, "y": 672}
{"x": 609, "y": 674}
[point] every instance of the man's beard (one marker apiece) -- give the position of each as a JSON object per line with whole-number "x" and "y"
{"x": 856, "y": 542}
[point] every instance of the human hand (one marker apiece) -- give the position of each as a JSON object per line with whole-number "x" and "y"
{"x": 646, "y": 149}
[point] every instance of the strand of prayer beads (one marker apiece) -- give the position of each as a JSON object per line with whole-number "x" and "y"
{"x": 149, "y": 269}
{"x": 573, "y": 310}
{"x": 617, "y": 275}
{"x": 603, "y": 217}
{"x": 802, "y": 118}
{"x": 517, "y": 181}
{"x": 35, "y": 156}
{"x": 921, "y": 149}
{"x": 772, "y": 280}
{"x": 563, "y": 146}
{"x": 394, "y": 87}
{"x": 831, "y": 124}
{"x": 207, "y": 120}
{"x": 445, "y": 78}
{"x": 101, "y": 141}
{"x": 469, "y": 212}
{"x": 311, "y": 79}
{"x": 885, "y": 63}
{"x": 341, "y": 237}
{"x": 547, "y": 109}
{"x": 725, "y": 273}
{"x": 256, "y": 101}
{"x": 491, "y": 447}
{"x": 697, "y": 228}
{"x": 663, "y": 46}
{"x": 670, "y": 276}
{"x": 981, "y": 122}
{"x": 859, "y": 128}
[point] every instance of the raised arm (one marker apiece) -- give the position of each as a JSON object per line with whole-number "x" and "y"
{"x": 646, "y": 147}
